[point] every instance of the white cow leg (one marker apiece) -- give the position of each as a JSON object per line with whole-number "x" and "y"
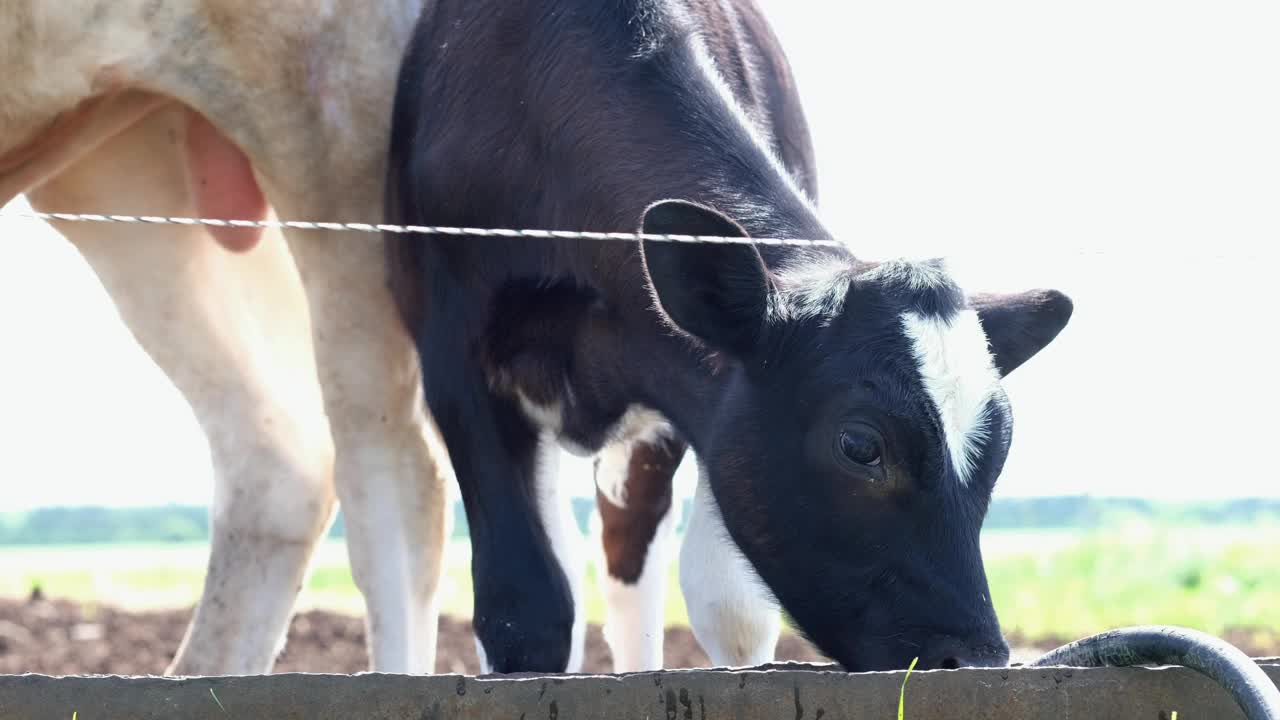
{"x": 392, "y": 470}
{"x": 555, "y": 507}
{"x": 734, "y": 619}
{"x": 231, "y": 332}
{"x": 637, "y": 518}
{"x": 318, "y": 149}
{"x": 397, "y": 512}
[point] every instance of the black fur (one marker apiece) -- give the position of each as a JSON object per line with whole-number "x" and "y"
{"x": 587, "y": 114}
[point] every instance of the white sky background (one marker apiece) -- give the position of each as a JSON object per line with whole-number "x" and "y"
{"x": 1126, "y": 152}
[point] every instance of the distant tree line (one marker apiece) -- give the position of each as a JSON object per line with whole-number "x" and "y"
{"x": 168, "y": 524}
{"x": 1091, "y": 513}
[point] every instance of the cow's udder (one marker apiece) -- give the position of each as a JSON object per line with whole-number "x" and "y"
{"x": 222, "y": 184}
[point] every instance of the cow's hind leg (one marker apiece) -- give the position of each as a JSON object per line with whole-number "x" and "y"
{"x": 397, "y": 514}
{"x": 634, "y": 498}
{"x": 231, "y": 332}
{"x": 731, "y": 612}
{"x": 391, "y": 469}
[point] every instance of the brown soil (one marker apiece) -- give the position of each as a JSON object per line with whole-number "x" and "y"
{"x": 59, "y": 637}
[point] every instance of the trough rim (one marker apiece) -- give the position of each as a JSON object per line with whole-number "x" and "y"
{"x": 770, "y": 670}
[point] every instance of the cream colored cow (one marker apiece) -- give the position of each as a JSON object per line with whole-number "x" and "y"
{"x": 286, "y": 346}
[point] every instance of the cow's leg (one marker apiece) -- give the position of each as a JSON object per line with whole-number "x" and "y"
{"x": 555, "y": 510}
{"x": 391, "y": 469}
{"x": 398, "y": 516}
{"x": 634, "y": 498}
{"x": 733, "y": 618}
{"x": 302, "y": 95}
{"x": 231, "y": 332}
{"x": 313, "y": 118}
{"x": 523, "y": 611}
{"x": 526, "y": 616}
{"x": 388, "y": 468}
{"x": 306, "y": 97}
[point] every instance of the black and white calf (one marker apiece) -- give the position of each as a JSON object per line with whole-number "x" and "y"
{"x": 847, "y": 415}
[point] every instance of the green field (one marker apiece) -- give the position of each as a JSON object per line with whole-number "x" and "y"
{"x": 1046, "y": 583}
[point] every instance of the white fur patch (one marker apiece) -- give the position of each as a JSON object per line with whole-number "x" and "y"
{"x": 611, "y": 473}
{"x": 545, "y": 417}
{"x": 485, "y": 667}
{"x": 566, "y": 541}
{"x": 732, "y": 612}
{"x": 638, "y": 425}
{"x": 960, "y": 376}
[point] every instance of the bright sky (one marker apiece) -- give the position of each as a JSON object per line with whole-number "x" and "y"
{"x": 1126, "y": 152}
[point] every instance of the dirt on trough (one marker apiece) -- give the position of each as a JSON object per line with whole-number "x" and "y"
{"x": 60, "y": 637}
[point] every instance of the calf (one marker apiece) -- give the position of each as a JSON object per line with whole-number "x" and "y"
{"x": 847, "y": 415}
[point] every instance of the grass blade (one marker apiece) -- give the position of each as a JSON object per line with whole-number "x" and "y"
{"x": 902, "y": 695}
{"x": 215, "y": 699}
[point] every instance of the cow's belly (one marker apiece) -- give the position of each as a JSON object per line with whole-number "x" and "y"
{"x": 208, "y": 317}
{"x": 217, "y": 178}
{"x": 66, "y": 138}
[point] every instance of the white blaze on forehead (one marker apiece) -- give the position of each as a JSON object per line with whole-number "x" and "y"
{"x": 959, "y": 374}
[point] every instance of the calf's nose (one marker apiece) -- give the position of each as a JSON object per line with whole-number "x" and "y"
{"x": 949, "y": 652}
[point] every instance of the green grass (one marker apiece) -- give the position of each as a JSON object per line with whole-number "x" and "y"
{"x": 161, "y": 576}
{"x": 902, "y": 694}
{"x": 1053, "y": 583}
{"x": 1206, "y": 578}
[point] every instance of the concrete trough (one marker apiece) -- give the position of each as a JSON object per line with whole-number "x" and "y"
{"x": 790, "y": 692}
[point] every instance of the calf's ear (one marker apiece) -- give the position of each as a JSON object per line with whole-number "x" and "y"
{"x": 716, "y": 292}
{"x": 1020, "y": 325}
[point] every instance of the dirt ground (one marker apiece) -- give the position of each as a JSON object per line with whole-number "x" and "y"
{"x": 58, "y": 637}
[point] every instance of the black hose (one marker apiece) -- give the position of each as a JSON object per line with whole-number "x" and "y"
{"x": 1252, "y": 690}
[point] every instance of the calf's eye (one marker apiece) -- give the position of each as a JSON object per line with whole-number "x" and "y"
{"x": 860, "y": 445}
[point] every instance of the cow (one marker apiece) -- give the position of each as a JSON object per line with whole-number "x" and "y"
{"x": 846, "y": 414}
{"x": 286, "y": 345}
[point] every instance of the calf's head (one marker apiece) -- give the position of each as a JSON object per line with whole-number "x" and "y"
{"x": 860, "y": 434}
